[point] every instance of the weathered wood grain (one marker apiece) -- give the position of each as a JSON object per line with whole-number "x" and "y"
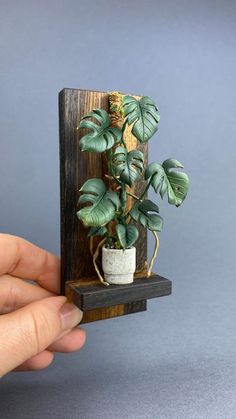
{"x": 76, "y": 167}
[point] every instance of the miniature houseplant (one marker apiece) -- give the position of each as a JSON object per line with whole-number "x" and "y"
{"x": 106, "y": 211}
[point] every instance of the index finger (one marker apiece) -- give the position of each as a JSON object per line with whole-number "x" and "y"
{"x": 20, "y": 258}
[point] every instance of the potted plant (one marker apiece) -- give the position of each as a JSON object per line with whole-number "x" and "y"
{"x": 106, "y": 211}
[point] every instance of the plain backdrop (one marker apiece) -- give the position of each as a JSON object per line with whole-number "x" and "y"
{"x": 177, "y": 360}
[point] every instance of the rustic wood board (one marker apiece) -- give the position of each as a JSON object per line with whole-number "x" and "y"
{"x": 75, "y": 168}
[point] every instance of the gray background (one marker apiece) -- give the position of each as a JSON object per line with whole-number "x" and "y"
{"x": 177, "y": 360}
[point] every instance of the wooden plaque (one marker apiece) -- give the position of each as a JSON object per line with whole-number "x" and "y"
{"x": 77, "y": 269}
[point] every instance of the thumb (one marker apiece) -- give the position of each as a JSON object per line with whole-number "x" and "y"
{"x": 28, "y": 331}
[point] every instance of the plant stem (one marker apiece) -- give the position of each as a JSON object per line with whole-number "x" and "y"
{"x": 91, "y": 245}
{"x": 140, "y": 199}
{"x": 133, "y": 196}
{"x": 123, "y": 130}
{"x": 154, "y": 254}
{"x": 124, "y": 126}
{"x": 117, "y": 179}
{"x": 123, "y": 198}
{"x": 95, "y": 256}
{"x": 109, "y": 154}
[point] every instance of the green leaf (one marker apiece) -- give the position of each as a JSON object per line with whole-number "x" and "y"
{"x": 127, "y": 165}
{"x": 127, "y": 235}
{"x": 156, "y": 172}
{"x": 97, "y": 231}
{"x": 102, "y": 136}
{"x": 146, "y": 213}
{"x": 105, "y": 203}
{"x": 143, "y": 114}
{"x": 172, "y": 182}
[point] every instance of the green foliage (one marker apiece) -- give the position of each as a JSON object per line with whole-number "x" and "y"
{"x": 127, "y": 235}
{"x": 105, "y": 203}
{"x": 97, "y": 231}
{"x": 125, "y": 168}
{"x": 144, "y": 116}
{"x": 102, "y": 136}
{"x": 172, "y": 182}
{"x": 146, "y": 213}
{"x": 127, "y": 165}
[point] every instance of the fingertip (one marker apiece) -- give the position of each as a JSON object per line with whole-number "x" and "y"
{"x": 71, "y": 342}
{"x": 37, "y": 362}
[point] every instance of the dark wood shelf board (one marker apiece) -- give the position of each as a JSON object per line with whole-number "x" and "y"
{"x": 113, "y": 311}
{"x": 88, "y": 295}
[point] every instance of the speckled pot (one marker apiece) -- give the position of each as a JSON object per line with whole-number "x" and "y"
{"x": 119, "y": 265}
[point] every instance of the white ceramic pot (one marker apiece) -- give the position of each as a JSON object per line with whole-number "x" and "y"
{"x": 119, "y": 265}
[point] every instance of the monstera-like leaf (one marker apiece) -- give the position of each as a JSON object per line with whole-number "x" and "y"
{"x": 172, "y": 182}
{"x": 105, "y": 203}
{"x": 127, "y": 235}
{"x": 146, "y": 212}
{"x": 101, "y": 136}
{"x": 144, "y": 116}
{"x": 127, "y": 165}
{"x": 97, "y": 231}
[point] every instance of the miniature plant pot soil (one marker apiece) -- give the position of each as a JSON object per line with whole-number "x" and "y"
{"x": 106, "y": 208}
{"x": 119, "y": 265}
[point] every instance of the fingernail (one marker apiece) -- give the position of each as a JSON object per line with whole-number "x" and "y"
{"x": 71, "y": 316}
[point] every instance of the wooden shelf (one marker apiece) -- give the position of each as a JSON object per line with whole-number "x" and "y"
{"x": 91, "y": 294}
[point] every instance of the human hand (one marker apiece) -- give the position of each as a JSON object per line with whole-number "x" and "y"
{"x": 34, "y": 321}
